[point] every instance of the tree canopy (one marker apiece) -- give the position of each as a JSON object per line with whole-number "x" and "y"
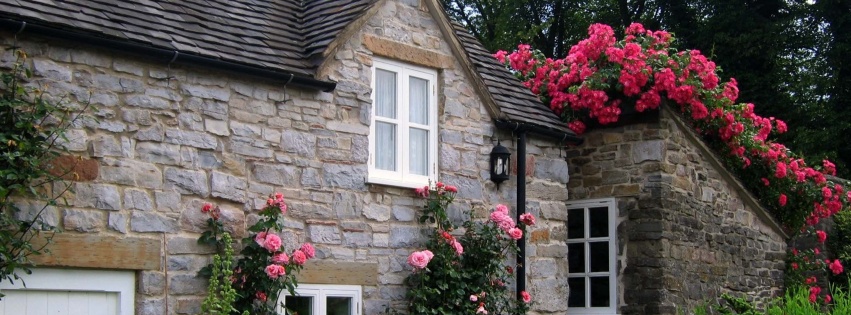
{"x": 788, "y": 56}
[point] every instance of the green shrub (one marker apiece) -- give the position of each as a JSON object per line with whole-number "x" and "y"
{"x": 798, "y": 300}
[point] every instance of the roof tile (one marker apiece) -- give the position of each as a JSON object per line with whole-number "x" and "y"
{"x": 514, "y": 100}
{"x": 274, "y": 34}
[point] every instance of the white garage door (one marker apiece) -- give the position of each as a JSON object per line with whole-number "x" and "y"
{"x": 69, "y": 291}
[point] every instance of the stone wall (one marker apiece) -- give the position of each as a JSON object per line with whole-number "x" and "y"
{"x": 686, "y": 233}
{"x": 163, "y": 140}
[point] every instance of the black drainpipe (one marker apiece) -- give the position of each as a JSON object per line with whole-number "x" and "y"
{"x": 156, "y": 53}
{"x": 522, "y": 129}
{"x": 521, "y": 209}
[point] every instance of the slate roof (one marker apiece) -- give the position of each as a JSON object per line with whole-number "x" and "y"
{"x": 514, "y": 100}
{"x": 275, "y": 34}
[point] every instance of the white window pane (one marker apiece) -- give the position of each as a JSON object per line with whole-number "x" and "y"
{"x": 418, "y": 97}
{"x": 418, "y": 151}
{"x": 385, "y": 93}
{"x": 337, "y": 305}
{"x": 302, "y": 305}
{"x": 385, "y": 146}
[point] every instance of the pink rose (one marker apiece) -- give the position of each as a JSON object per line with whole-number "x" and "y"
{"x": 814, "y": 292}
{"x": 782, "y": 200}
{"x": 308, "y": 250}
{"x": 526, "y": 297}
{"x": 836, "y": 267}
{"x": 822, "y": 236}
{"x": 501, "y": 208}
{"x": 507, "y": 224}
{"x": 275, "y": 271}
{"x": 299, "y": 257}
{"x": 502, "y": 220}
{"x": 473, "y": 298}
{"x": 277, "y": 200}
{"x": 419, "y": 260}
{"x": 260, "y": 238}
{"x": 527, "y": 219}
{"x": 422, "y": 191}
{"x": 515, "y": 233}
{"x": 280, "y": 258}
{"x": 260, "y": 296}
{"x": 272, "y": 243}
{"x": 457, "y": 247}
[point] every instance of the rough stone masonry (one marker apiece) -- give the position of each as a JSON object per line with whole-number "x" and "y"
{"x": 160, "y": 141}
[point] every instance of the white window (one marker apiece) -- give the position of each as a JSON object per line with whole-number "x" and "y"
{"x": 403, "y": 133}
{"x": 591, "y": 257}
{"x": 70, "y": 291}
{"x": 313, "y": 299}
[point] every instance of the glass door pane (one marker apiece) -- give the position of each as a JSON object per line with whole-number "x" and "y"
{"x": 577, "y": 292}
{"x": 599, "y": 222}
{"x": 337, "y": 305}
{"x": 599, "y": 254}
{"x": 600, "y": 291}
{"x": 302, "y": 305}
{"x": 576, "y": 223}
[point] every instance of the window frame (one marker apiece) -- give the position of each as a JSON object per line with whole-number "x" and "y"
{"x": 586, "y": 205}
{"x": 320, "y": 291}
{"x": 402, "y": 177}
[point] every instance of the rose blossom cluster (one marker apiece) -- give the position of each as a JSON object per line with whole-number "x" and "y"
{"x": 213, "y": 211}
{"x": 807, "y": 260}
{"x": 503, "y": 220}
{"x": 480, "y": 299}
{"x": 272, "y": 243}
{"x": 453, "y": 243}
{"x": 440, "y": 188}
{"x": 277, "y": 200}
{"x": 600, "y": 73}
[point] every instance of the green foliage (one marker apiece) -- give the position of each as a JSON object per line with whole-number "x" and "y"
{"x": 31, "y": 127}
{"x": 220, "y": 293}
{"x": 451, "y": 279}
{"x": 839, "y": 244}
{"x": 796, "y": 301}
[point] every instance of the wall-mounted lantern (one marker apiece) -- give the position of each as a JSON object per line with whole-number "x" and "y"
{"x": 500, "y": 159}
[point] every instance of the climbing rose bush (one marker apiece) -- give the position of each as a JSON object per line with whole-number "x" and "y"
{"x": 467, "y": 273}
{"x": 602, "y": 76}
{"x": 264, "y": 268}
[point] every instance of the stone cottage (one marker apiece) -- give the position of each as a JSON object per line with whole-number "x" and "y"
{"x": 344, "y": 106}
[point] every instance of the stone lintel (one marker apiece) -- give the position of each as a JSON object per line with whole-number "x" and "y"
{"x": 99, "y": 251}
{"x": 404, "y": 52}
{"x": 339, "y": 272}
